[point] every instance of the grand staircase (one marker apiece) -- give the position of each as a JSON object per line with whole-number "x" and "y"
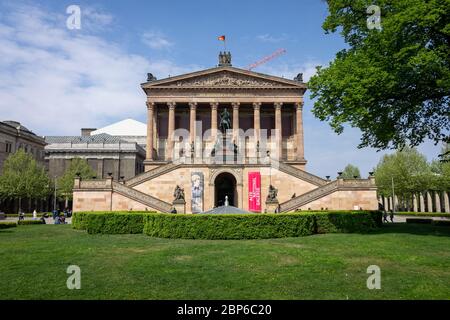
{"x": 308, "y": 197}
{"x": 151, "y": 174}
{"x": 298, "y": 173}
{"x": 141, "y": 197}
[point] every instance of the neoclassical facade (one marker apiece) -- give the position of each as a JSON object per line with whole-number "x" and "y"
{"x": 225, "y": 135}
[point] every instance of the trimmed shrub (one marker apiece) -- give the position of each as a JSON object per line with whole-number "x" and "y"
{"x": 114, "y": 223}
{"x": 424, "y": 214}
{"x": 442, "y": 223}
{"x": 352, "y": 221}
{"x": 228, "y": 226}
{"x": 79, "y": 219}
{"x": 6, "y": 225}
{"x": 28, "y": 222}
{"x": 417, "y": 220}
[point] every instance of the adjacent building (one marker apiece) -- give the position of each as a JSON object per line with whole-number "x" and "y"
{"x": 116, "y": 150}
{"x": 14, "y": 136}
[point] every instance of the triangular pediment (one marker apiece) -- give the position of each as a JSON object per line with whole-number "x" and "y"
{"x": 221, "y": 77}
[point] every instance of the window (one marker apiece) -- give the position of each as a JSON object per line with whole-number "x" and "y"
{"x": 8, "y": 147}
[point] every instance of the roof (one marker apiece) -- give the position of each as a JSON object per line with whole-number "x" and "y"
{"x": 223, "y": 70}
{"x": 17, "y": 126}
{"x": 99, "y": 138}
{"x": 127, "y": 127}
{"x": 226, "y": 210}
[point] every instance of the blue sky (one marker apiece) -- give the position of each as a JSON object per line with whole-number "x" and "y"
{"x": 55, "y": 80}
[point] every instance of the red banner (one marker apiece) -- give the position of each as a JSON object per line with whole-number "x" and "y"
{"x": 254, "y": 191}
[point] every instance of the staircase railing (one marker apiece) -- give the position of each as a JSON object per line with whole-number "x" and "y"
{"x": 141, "y": 197}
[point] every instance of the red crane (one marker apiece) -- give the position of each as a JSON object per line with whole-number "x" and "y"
{"x": 266, "y": 59}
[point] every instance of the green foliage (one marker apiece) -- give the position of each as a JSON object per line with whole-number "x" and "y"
{"x": 408, "y": 168}
{"x": 115, "y": 223}
{"x": 441, "y": 170}
{"x": 442, "y": 223}
{"x": 393, "y": 84}
{"x": 29, "y": 222}
{"x": 424, "y": 214}
{"x": 66, "y": 181}
{"x": 80, "y": 219}
{"x": 229, "y": 226}
{"x": 23, "y": 177}
{"x": 6, "y": 225}
{"x": 418, "y": 220}
{"x": 226, "y": 226}
{"x": 350, "y": 171}
{"x": 332, "y": 222}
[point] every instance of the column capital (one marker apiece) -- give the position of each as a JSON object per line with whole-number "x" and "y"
{"x": 256, "y": 105}
{"x": 299, "y": 105}
{"x": 214, "y": 105}
{"x": 193, "y": 105}
{"x": 150, "y": 104}
{"x": 171, "y": 105}
{"x": 235, "y": 105}
{"x": 278, "y": 105}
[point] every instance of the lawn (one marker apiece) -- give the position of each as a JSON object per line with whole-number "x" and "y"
{"x": 414, "y": 262}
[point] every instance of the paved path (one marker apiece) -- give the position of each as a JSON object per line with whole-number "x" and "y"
{"x": 47, "y": 220}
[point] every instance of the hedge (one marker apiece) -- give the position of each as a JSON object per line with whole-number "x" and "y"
{"x": 229, "y": 226}
{"x": 6, "y": 225}
{"x": 226, "y": 226}
{"x": 443, "y": 223}
{"x": 28, "y": 222}
{"x": 79, "y": 219}
{"x": 354, "y": 221}
{"x": 417, "y": 220}
{"x": 424, "y": 214}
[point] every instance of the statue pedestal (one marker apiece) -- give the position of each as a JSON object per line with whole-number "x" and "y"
{"x": 180, "y": 206}
{"x": 272, "y": 206}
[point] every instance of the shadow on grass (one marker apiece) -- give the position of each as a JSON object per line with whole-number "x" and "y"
{"x": 413, "y": 228}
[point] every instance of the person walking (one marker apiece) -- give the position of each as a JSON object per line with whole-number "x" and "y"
{"x": 34, "y": 214}
{"x": 391, "y": 215}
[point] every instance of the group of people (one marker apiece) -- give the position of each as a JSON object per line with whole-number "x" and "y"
{"x": 58, "y": 218}
{"x": 61, "y": 218}
{"x": 385, "y": 213}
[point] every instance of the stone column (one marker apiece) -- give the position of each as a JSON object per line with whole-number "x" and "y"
{"x": 235, "y": 106}
{"x": 278, "y": 129}
{"x": 437, "y": 201}
{"x": 155, "y": 132}
{"x": 446, "y": 202}
{"x": 171, "y": 130}
{"x": 429, "y": 202}
{"x": 214, "y": 106}
{"x": 414, "y": 202}
{"x": 256, "y": 124}
{"x": 193, "y": 113}
{"x": 422, "y": 202}
{"x": 150, "y": 142}
{"x": 299, "y": 130}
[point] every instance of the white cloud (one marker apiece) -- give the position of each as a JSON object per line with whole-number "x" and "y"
{"x": 272, "y": 39}
{"x": 156, "y": 40}
{"x": 56, "y": 80}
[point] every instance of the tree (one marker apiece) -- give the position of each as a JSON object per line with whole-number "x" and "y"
{"x": 441, "y": 170}
{"x": 23, "y": 177}
{"x": 394, "y": 83}
{"x": 66, "y": 181}
{"x": 350, "y": 172}
{"x": 409, "y": 170}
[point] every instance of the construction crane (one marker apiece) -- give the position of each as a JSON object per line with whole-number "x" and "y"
{"x": 277, "y": 53}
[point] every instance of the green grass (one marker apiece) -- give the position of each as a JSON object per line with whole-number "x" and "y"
{"x": 414, "y": 262}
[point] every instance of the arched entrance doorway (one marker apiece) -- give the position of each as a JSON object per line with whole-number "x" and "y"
{"x": 225, "y": 185}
